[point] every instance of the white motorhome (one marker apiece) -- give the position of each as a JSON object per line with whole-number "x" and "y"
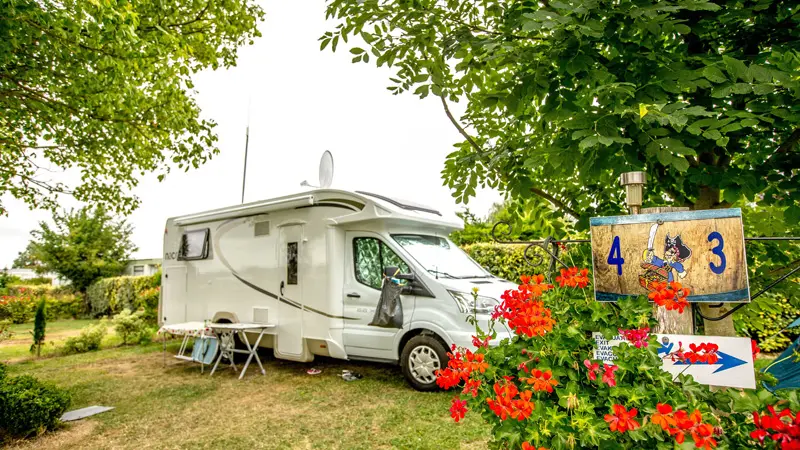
{"x": 313, "y": 263}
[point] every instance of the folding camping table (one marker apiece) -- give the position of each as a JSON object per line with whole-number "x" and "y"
{"x": 225, "y": 333}
{"x": 188, "y": 330}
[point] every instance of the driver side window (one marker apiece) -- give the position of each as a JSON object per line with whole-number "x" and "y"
{"x": 370, "y": 257}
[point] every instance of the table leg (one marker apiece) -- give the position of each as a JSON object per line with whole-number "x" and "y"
{"x": 258, "y": 360}
{"x": 249, "y": 350}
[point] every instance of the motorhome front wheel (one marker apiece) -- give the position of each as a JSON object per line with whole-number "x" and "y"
{"x": 422, "y": 356}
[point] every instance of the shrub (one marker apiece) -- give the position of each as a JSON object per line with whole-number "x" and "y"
{"x": 16, "y": 309}
{"x": 37, "y": 281}
{"x": 89, "y": 339}
{"x": 110, "y": 296}
{"x": 2, "y": 373}
{"x": 5, "y": 331}
{"x": 67, "y": 306}
{"x": 29, "y": 406}
{"x": 147, "y": 300}
{"x": 129, "y": 326}
{"x": 544, "y": 386}
{"x": 507, "y": 261}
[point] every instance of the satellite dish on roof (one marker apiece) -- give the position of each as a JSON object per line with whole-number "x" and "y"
{"x": 325, "y": 172}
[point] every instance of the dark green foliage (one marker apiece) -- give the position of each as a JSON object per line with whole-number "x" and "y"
{"x": 39, "y": 324}
{"x": 85, "y": 245}
{"x": 564, "y": 96}
{"x": 29, "y": 406}
{"x": 110, "y": 296}
{"x": 106, "y": 88}
{"x": 2, "y": 372}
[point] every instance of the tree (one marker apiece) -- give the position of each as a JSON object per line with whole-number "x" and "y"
{"x": 27, "y": 259}
{"x": 105, "y": 88}
{"x": 84, "y": 245}
{"x": 563, "y": 95}
{"x": 39, "y": 323}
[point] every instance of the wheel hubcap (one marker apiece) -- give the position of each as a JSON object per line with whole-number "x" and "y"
{"x": 424, "y": 362}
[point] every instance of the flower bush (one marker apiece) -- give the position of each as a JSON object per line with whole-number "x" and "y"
{"x": 543, "y": 388}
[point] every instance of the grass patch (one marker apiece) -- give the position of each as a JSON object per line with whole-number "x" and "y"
{"x": 168, "y": 403}
{"x": 18, "y": 347}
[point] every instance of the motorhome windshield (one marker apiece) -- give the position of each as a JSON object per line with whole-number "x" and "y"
{"x": 440, "y": 256}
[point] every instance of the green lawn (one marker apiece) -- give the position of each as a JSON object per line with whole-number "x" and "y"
{"x": 170, "y": 404}
{"x": 18, "y": 347}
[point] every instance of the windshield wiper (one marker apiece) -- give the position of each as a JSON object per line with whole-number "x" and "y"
{"x": 477, "y": 276}
{"x": 442, "y": 273}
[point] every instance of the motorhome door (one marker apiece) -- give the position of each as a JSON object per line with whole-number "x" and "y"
{"x": 290, "y": 313}
{"x": 173, "y": 300}
{"x": 367, "y": 255}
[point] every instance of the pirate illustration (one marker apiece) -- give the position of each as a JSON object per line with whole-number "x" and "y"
{"x": 666, "y": 269}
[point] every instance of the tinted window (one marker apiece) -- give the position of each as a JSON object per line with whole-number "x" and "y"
{"x": 291, "y": 263}
{"x": 194, "y": 244}
{"x": 371, "y": 256}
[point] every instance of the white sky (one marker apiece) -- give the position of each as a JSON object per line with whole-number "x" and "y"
{"x": 302, "y": 102}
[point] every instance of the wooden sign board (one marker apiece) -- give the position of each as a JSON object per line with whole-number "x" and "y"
{"x": 734, "y": 366}
{"x": 702, "y": 250}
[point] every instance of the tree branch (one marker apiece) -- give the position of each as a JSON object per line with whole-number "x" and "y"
{"x": 550, "y": 198}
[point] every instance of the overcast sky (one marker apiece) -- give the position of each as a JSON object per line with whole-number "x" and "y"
{"x": 302, "y": 102}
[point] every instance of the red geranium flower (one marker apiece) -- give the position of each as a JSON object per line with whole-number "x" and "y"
{"x": 608, "y": 374}
{"x": 541, "y": 380}
{"x": 671, "y": 296}
{"x": 593, "y": 369}
{"x": 458, "y": 409}
{"x": 573, "y": 277}
{"x": 622, "y": 419}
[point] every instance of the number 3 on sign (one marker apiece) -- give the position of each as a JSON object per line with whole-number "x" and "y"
{"x": 717, "y": 269}
{"x": 615, "y": 256}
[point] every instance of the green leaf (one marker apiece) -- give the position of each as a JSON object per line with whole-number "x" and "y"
{"x": 682, "y": 29}
{"x": 749, "y": 122}
{"x": 731, "y": 127}
{"x": 712, "y": 134}
{"x": 681, "y": 164}
{"x": 731, "y": 194}
{"x": 356, "y": 50}
{"x": 742, "y": 88}
{"x": 763, "y": 89}
{"x": 588, "y": 142}
{"x": 737, "y": 69}
{"x": 714, "y": 74}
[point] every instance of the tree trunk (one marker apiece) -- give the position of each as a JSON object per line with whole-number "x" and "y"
{"x": 708, "y": 198}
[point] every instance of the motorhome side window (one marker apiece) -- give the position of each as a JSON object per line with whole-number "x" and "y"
{"x": 371, "y": 256}
{"x": 194, "y": 245}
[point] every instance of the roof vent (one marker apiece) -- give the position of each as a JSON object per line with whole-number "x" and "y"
{"x": 261, "y": 228}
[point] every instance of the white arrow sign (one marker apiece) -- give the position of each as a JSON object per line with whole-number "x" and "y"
{"x": 734, "y": 365}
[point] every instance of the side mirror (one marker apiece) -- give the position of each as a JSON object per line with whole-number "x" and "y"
{"x": 395, "y": 273}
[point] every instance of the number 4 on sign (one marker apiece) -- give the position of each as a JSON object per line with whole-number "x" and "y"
{"x": 615, "y": 256}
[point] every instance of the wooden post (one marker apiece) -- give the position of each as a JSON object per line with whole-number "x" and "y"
{"x": 671, "y": 322}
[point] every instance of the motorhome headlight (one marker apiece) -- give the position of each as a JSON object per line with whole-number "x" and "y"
{"x": 469, "y": 304}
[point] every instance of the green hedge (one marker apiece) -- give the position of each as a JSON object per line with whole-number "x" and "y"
{"x": 508, "y": 260}
{"x": 18, "y": 303}
{"x": 110, "y": 296}
{"x": 502, "y": 260}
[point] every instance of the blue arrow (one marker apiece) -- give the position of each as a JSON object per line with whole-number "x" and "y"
{"x": 725, "y": 361}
